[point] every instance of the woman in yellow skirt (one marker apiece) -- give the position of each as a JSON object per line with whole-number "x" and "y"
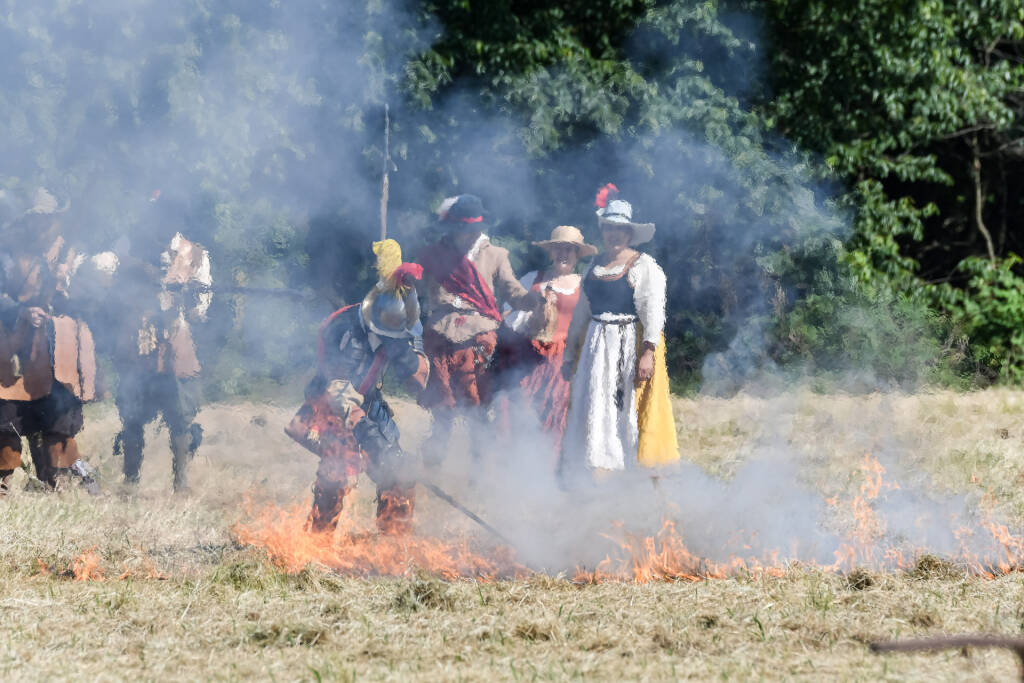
{"x": 620, "y": 413}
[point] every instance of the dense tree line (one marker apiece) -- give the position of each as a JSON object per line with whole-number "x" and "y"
{"x": 835, "y": 184}
{"x": 918, "y": 109}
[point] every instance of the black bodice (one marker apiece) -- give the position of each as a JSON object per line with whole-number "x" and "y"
{"x": 609, "y": 296}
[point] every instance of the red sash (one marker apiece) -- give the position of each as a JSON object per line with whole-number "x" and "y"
{"x": 459, "y": 276}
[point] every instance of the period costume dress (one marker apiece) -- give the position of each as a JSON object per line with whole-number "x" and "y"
{"x": 614, "y": 422}
{"x": 547, "y": 389}
{"x": 546, "y": 331}
{"x": 345, "y": 419}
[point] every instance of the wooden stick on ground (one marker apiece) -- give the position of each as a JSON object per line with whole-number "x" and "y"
{"x": 946, "y": 642}
{"x": 466, "y": 511}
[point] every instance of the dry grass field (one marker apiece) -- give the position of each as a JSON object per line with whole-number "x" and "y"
{"x": 171, "y": 595}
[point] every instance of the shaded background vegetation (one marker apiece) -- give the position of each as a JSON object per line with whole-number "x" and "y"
{"x": 836, "y": 184}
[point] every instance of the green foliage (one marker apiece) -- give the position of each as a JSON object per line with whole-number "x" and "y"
{"x": 889, "y": 342}
{"x": 645, "y": 94}
{"x": 992, "y": 307}
{"x": 917, "y": 108}
{"x": 265, "y": 119}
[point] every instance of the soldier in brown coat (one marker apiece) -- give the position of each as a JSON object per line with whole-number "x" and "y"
{"x": 47, "y": 360}
{"x": 466, "y": 277}
{"x": 170, "y": 280}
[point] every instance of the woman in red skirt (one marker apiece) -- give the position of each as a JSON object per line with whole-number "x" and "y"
{"x": 548, "y": 327}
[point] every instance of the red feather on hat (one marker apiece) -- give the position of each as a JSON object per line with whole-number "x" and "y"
{"x": 406, "y": 273}
{"x": 605, "y": 195}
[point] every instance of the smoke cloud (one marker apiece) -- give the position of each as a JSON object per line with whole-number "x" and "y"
{"x": 264, "y": 120}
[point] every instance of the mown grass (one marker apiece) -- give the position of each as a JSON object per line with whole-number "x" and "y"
{"x": 193, "y": 605}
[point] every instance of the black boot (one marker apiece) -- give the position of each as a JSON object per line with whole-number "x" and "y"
{"x": 41, "y": 460}
{"x": 131, "y": 443}
{"x": 195, "y": 432}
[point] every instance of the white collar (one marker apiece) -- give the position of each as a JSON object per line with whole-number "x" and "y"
{"x": 474, "y": 251}
{"x": 564, "y": 291}
{"x": 602, "y": 271}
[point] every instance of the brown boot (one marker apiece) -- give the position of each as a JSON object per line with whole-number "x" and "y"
{"x": 181, "y": 450}
{"x": 328, "y": 502}
{"x": 60, "y": 453}
{"x": 10, "y": 460}
{"x": 394, "y": 510}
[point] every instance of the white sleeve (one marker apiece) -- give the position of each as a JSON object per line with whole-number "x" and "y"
{"x": 648, "y": 281}
{"x": 203, "y": 274}
{"x": 526, "y": 281}
{"x": 105, "y": 262}
{"x": 204, "y": 295}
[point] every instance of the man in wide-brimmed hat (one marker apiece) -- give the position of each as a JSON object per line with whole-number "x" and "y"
{"x": 47, "y": 359}
{"x": 345, "y": 419}
{"x": 466, "y": 277}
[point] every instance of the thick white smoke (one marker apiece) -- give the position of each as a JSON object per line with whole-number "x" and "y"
{"x": 263, "y": 120}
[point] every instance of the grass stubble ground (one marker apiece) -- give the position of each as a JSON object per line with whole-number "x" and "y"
{"x": 181, "y": 601}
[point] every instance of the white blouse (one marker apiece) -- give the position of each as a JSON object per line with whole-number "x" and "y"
{"x": 649, "y": 284}
{"x": 649, "y": 295}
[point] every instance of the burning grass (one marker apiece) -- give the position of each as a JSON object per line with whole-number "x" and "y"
{"x": 182, "y": 600}
{"x": 282, "y": 532}
{"x": 865, "y": 546}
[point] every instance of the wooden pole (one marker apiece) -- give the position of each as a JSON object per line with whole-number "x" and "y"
{"x": 385, "y": 185}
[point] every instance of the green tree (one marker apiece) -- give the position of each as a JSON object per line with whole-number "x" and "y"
{"x": 917, "y": 107}
{"x": 651, "y": 96}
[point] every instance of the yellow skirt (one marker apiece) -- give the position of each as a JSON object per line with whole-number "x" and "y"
{"x": 658, "y": 444}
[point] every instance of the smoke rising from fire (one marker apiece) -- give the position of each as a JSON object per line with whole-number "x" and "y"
{"x": 263, "y": 121}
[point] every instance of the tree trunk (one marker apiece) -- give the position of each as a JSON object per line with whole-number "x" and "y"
{"x": 979, "y": 200}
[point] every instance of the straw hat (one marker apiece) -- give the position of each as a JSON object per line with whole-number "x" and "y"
{"x": 567, "y": 234}
{"x": 618, "y": 212}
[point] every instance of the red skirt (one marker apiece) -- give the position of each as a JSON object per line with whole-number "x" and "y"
{"x": 548, "y": 390}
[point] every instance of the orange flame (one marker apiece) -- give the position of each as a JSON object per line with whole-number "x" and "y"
{"x": 282, "y": 533}
{"x": 665, "y": 557}
{"x": 147, "y": 571}
{"x": 86, "y": 567}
